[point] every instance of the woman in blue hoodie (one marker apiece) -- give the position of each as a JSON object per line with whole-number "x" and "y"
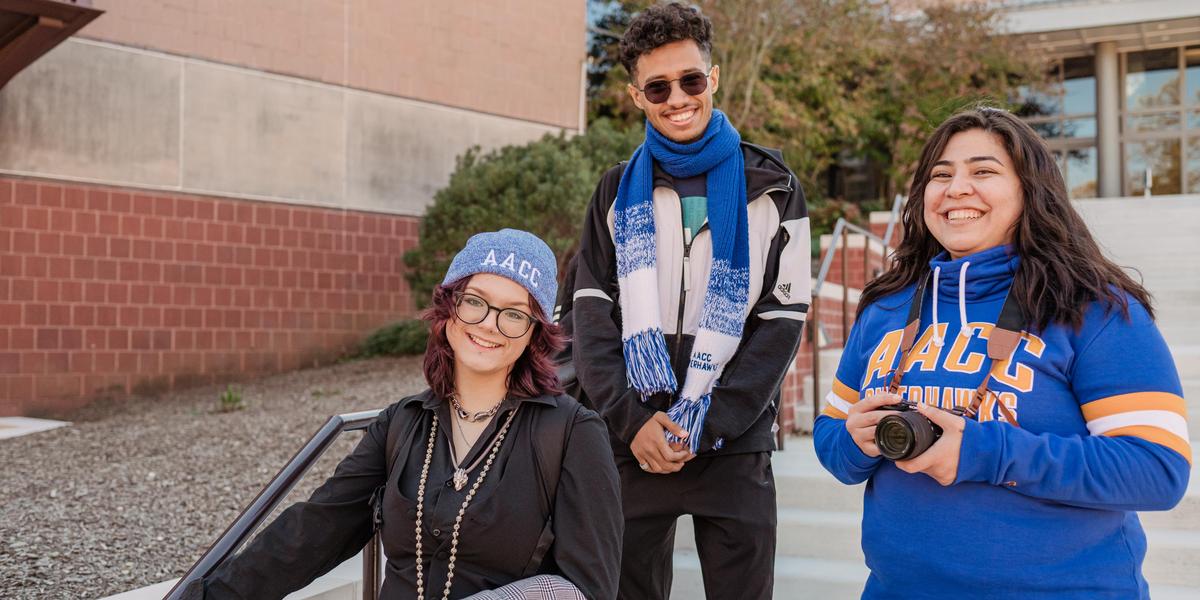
{"x": 1037, "y": 357}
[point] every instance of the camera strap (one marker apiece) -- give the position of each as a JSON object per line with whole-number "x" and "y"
{"x": 1002, "y": 343}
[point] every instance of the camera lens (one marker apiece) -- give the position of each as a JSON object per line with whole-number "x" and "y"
{"x": 905, "y": 434}
{"x": 894, "y": 437}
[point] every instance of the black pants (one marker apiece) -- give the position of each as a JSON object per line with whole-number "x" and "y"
{"x": 732, "y": 503}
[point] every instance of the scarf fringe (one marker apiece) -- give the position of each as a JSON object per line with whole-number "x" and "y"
{"x": 646, "y": 364}
{"x": 690, "y": 414}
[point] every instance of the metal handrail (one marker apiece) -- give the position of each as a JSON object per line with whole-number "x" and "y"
{"x": 841, "y": 231}
{"x": 274, "y": 493}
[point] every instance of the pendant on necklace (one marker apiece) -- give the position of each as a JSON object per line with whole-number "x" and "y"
{"x": 460, "y": 479}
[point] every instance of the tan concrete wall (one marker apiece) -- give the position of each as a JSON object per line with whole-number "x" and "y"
{"x": 95, "y": 112}
{"x": 266, "y": 136}
{"x": 515, "y": 58}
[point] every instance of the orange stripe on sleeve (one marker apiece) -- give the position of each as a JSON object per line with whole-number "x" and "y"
{"x": 845, "y": 392}
{"x": 1161, "y": 437}
{"x": 1136, "y": 401}
{"x": 830, "y": 411}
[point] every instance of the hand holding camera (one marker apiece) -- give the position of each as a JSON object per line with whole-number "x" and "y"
{"x": 907, "y": 433}
{"x": 918, "y": 437}
{"x": 940, "y": 460}
{"x": 862, "y": 419}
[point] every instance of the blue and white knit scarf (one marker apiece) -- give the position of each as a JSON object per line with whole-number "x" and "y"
{"x": 648, "y": 365}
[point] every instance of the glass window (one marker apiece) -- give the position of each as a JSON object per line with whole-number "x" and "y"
{"x": 1037, "y": 103}
{"x": 1070, "y": 93}
{"x": 1081, "y": 173}
{"x": 1191, "y": 59}
{"x": 1080, "y": 128}
{"x": 1047, "y": 129}
{"x": 1193, "y": 165}
{"x": 1079, "y": 85}
{"x": 1152, "y": 79}
{"x": 1162, "y": 157}
{"x": 1149, "y": 123}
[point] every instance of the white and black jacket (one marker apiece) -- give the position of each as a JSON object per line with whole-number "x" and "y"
{"x": 745, "y": 399}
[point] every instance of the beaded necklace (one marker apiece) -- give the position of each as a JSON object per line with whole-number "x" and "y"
{"x": 461, "y": 511}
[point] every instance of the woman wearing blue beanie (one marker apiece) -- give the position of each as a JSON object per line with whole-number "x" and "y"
{"x": 490, "y": 484}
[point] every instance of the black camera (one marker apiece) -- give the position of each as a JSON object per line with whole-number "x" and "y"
{"x": 907, "y": 433}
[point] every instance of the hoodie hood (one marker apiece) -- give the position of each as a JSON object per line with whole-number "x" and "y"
{"x": 978, "y": 277}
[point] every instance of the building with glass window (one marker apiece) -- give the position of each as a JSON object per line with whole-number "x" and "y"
{"x": 1125, "y": 119}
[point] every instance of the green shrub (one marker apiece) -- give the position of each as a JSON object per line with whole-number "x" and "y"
{"x": 542, "y": 187}
{"x": 402, "y": 338}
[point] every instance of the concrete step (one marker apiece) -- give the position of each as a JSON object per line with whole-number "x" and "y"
{"x": 1177, "y": 315}
{"x": 822, "y": 535}
{"x": 1185, "y": 294}
{"x": 1182, "y": 335}
{"x": 801, "y": 482}
{"x": 795, "y": 578}
{"x": 802, "y": 533}
{"x": 1173, "y": 592}
{"x": 344, "y": 582}
{"x": 1187, "y": 360}
{"x": 1191, "y": 393}
{"x": 1172, "y": 556}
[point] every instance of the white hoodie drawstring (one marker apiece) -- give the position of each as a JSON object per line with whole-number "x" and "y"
{"x": 962, "y": 300}
{"x": 937, "y": 333}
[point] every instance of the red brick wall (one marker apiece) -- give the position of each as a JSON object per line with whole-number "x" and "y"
{"x": 854, "y": 265}
{"x": 110, "y": 291}
{"x": 792, "y": 393}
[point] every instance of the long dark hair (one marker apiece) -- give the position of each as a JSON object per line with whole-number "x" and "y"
{"x": 532, "y": 375}
{"x": 1062, "y": 268}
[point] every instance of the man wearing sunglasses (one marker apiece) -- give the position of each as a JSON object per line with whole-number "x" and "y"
{"x": 686, "y": 306}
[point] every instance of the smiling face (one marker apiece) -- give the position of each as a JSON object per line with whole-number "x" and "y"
{"x": 973, "y": 198}
{"x": 480, "y": 349}
{"x": 681, "y": 118}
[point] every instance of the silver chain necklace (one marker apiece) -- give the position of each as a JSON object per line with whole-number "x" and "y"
{"x": 461, "y": 472}
{"x": 461, "y": 511}
{"x": 469, "y": 416}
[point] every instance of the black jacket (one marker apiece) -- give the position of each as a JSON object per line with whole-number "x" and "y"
{"x": 501, "y": 531}
{"x": 745, "y": 399}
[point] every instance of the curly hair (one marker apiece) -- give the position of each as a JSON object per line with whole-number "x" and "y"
{"x": 534, "y": 374}
{"x": 1062, "y": 267}
{"x": 663, "y": 24}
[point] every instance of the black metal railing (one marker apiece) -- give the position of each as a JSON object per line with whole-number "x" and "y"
{"x": 274, "y": 493}
{"x": 817, "y": 334}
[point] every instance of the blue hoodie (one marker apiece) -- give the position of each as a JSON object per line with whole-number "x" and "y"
{"x": 1043, "y": 510}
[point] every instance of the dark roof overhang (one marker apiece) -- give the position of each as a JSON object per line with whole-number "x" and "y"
{"x": 30, "y": 28}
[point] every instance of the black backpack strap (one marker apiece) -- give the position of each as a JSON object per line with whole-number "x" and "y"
{"x": 390, "y": 450}
{"x": 551, "y": 434}
{"x": 550, "y": 438}
{"x": 392, "y": 437}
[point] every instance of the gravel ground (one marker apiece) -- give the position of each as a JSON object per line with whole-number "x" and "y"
{"x": 131, "y": 494}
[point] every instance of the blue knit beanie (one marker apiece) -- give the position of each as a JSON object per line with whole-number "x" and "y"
{"x": 512, "y": 253}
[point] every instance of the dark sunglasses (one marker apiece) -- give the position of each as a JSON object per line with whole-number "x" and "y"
{"x": 692, "y": 84}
